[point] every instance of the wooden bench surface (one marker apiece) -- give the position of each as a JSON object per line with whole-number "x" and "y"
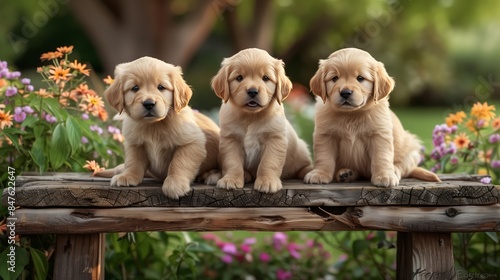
{"x": 79, "y": 203}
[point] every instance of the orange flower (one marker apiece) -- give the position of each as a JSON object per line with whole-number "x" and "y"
{"x": 65, "y": 50}
{"x": 2, "y": 83}
{"x": 108, "y": 80}
{"x": 80, "y": 67}
{"x": 91, "y": 104}
{"x": 454, "y": 119}
{"x": 51, "y": 55}
{"x": 5, "y": 119}
{"x": 43, "y": 93}
{"x": 58, "y": 73}
{"x": 83, "y": 89}
{"x": 93, "y": 166}
{"x": 496, "y": 124}
{"x": 102, "y": 114}
{"x": 461, "y": 140}
{"x": 483, "y": 111}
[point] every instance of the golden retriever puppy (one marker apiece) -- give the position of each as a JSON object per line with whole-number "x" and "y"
{"x": 356, "y": 134}
{"x": 163, "y": 135}
{"x": 257, "y": 141}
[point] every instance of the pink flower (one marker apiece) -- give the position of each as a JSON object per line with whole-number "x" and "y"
{"x": 209, "y": 236}
{"x": 494, "y": 138}
{"x": 282, "y": 274}
{"x": 279, "y": 240}
{"x": 245, "y": 248}
{"x": 264, "y": 257}
{"x": 85, "y": 140}
{"x": 454, "y": 160}
{"x": 495, "y": 164}
{"x": 85, "y": 116}
{"x": 227, "y": 259}
{"x": 249, "y": 241}
{"x": 370, "y": 236}
{"x": 486, "y": 180}
{"x": 229, "y": 248}
{"x": 293, "y": 249}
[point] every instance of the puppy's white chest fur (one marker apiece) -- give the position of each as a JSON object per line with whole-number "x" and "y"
{"x": 252, "y": 146}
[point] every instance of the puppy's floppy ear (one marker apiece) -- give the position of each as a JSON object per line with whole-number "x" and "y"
{"x": 182, "y": 91}
{"x": 220, "y": 83}
{"x": 317, "y": 82}
{"x": 283, "y": 83}
{"x": 383, "y": 84}
{"x": 114, "y": 93}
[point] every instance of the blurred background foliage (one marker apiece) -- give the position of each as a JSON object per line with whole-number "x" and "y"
{"x": 441, "y": 53}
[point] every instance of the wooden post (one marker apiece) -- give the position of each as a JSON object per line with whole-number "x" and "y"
{"x": 425, "y": 256}
{"x": 79, "y": 257}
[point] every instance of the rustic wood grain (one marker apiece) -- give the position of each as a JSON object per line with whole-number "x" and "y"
{"x": 82, "y": 190}
{"x": 424, "y": 255}
{"x": 404, "y": 219}
{"x": 79, "y": 257}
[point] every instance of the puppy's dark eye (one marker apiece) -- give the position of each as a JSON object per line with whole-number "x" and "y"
{"x": 161, "y": 88}
{"x": 239, "y": 78}
{"x": 334, "y": 79}
{"x": 135, "y": 88}
{"x": 265, "y": 78}
{"x": 360, "y": 78}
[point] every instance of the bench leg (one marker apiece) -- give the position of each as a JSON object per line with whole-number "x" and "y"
{"x": 425, "y": 256}
{"x": 79, "y": 256}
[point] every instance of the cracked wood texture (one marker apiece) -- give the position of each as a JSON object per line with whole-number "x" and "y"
{"x": 82, "y": 190}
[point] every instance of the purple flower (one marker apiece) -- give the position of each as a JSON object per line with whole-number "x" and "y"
{"x": 282, "y": 274}
{"x": 113, "y": 130}
{"x": 480, "y": 123}
{"x": 13, "y": 75}
{"x": 10, "y": 91}
{"x": 264, "y": 257}
{"x": 229, "y": 248}
{"x": 85, "y": 140}
{"x": 85, "y": 116}
{"x": 3, "y": 64}
{"x": 28, "y": 110}
{"x": 227, "y": 259}
{"x": 25, "y": 81}
{"x": 454, "y": 128}
{"x": 486, "y": 180}
{"x": 494, "y": 138}
{"x": 495, "y": 164}
{"x": 250, "y": 241}
{"x": 96, "y": 128}
{"x": 4, "y": 72}
{"x": 452, "y": 149}
{"x": 19, "y": 115}
{"x": 30, "y": 88}
{"x": 50, "y": 119}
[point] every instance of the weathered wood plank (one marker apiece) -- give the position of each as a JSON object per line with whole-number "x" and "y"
{"x": 424, "y": 256}
{"x": 82, "y": 190}
{"x": 419, "y": 219}
{"x": 79, "y": 257}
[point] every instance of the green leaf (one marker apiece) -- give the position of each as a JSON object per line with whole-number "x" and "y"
{"x": 358, "y": 246}
{"x": 40, "y": 263}
{"x": 30, "y": 121}
{"x": 52, "y": 106}
{"x": 38, "y": 153}
{"x": 18, "y": 264}
{"x": 59, "y": 148}
{"x": 74, "y": 134}
{"x": 13, "y": 135}
{"x": 493, "y": 236}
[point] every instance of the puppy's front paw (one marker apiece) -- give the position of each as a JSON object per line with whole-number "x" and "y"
{"x": 386, "y": 180}
{"x": 210, "y": 177}
{"x": 267, "y": 184}
{"x": 125, "y": 180}
{"x": 175, "y": 187}
{"x": 346, "y": 175}
{"x": 317, "y": 177}
{"x": 230, "y": 183}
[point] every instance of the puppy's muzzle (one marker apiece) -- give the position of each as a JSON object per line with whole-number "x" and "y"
{"x": 252, "y": 92}
{"x": 149, "y": 105}
{"x": 346, "y": 93}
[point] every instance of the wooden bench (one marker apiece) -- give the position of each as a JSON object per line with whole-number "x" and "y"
{"x": 79, "y": 209}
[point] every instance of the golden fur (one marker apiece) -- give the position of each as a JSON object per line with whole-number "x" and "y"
{"x": 167, "y": 140}
{"x": 257, "y": 141}
{"x": 356, "y": 134}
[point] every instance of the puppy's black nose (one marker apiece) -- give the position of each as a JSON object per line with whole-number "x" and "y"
{"x": 345, "y": 93}
{"x": 148, "y": 104}
{"x": 252, "y": 92}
